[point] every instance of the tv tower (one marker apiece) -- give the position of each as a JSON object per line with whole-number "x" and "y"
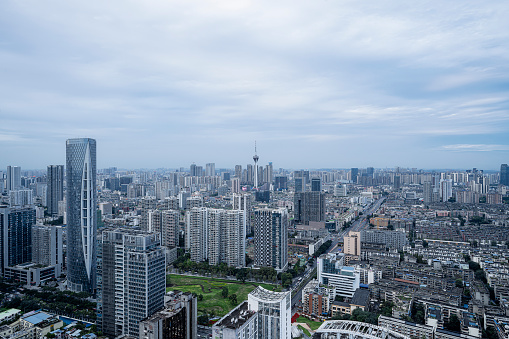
{"x": 255, "y": 158}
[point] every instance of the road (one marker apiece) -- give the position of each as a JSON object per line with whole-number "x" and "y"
{"x": 357, "y": 225}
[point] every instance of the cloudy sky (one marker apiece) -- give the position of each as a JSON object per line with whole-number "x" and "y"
{"x": 317, "y": 83}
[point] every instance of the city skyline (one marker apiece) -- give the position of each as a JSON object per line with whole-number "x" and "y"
{"x": 316, "y": 84}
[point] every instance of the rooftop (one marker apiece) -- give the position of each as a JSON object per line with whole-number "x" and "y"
{"x": 262, "y": 293}
{"x": 237, "y": 317}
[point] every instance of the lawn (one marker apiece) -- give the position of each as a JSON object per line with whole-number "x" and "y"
{"x": 303, "y": 329}
{"x": 312, "y": 324}
{"x": 210, "y": 288}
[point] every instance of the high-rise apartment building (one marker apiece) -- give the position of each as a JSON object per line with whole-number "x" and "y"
{"x": 300, "y": 184}
{"x": 504, "y": 175}
{"x": 445, "y": 189}
{"x": 244, "y": 202}
{"x": 427, "y": 192}
{"x": 130, "y": 280}
{"x": 47, "y": 248}
{"x": 13, "y": 180}
{"x": 21, "y": 197}
{"x": 271, "y": 238}
{"x": 15, "y": 236}
{"x": 353, "y": 243}
{"x": 238, "y": 171}
{"x": 55, "y": 188}
{"x": 216, "y": 235}
{"x": 81, "y": 214}
{"x": 210, "y": 169}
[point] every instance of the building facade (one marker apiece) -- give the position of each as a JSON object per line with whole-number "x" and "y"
{"x": 130, "y": 280}
{"x": 81, "y": 214}
{"x": 271, "y": 238}
{"x": 55, "y": 190}
{"x": 15, "y": 236}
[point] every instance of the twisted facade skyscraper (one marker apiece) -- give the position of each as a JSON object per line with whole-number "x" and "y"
{"x": 81, "y": 214}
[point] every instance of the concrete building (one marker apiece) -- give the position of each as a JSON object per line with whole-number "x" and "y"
{"x": 332, "y": 272}
{"x": 271, "y": 238}
{"x": 81, "y": 201}
{"x": 131, "y": 280}
{"x": 13, "y": 180}
{"x": 216, "y": 235}
{"x": 178, "y": 319}
{"x": 16, "y": 236}
{"x": 352, "y": 243}
{"x": 244, "y": 202}
{"x": 241, "y": 322}
{"x": 274, "y": 311}
{"x": 21, "y": 197}
{"x": 55, "y": 188}
{"x": 309, "y": 206}
{"x": 391, "y": 239}
{"x": 47, "y": 248}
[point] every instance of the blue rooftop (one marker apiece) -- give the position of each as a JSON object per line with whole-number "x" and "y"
{"x": 37, "y": 318}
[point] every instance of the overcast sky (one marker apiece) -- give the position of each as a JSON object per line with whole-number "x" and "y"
{"x": 317, "y": 83}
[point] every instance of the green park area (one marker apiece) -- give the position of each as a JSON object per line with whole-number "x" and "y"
{"x": 212, "y": 298}
{"x": 312, "y": 324}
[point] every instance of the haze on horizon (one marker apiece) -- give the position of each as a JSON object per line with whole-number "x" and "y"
{"x": 318, "y": 84}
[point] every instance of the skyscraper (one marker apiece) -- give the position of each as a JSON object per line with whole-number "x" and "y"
{"x": 427, "y": 192}
{"x": 309, "y": 206}
{"x": 81, "y": 214}
{"x": 47, "y": 247}
{"x": 55, "y": 191}
{"x": 504, "y": 175}
{"x": 13, "y": 181}
{"x": 354, "y": 172}
{"x": 255, "y": 158}
{"x": 131, "y": 280}
{"x": 271, "y": 238}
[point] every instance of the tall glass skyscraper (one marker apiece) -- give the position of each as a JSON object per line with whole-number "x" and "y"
{"x": 81, "y": 214}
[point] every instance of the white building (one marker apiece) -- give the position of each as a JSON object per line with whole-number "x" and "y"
{"x": 332, "y": 272}
{"x": 274, "y": 312}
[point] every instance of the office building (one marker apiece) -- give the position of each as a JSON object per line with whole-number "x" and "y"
{"x": 316, "y": 185}
{"x": 354, "y": 172}
{"x": 332, "y": 272}
{"x": 178, "y": 319}
{"x": 81, "y": 214}
{"x": 16, "y": 236}
{"x": 216, "y": 235}
{"x": 274, "y": 311}
{"x": 21, "y": 197}
{"x": 130, "y": 280}
{"x": 309, "y": 206}
{"x": 47, "y": 248}
{"x": 353, "y": 243}
{"x": 271, "y": 238}
{"x": 55, "y": 188}
{"x": 504, "y": 175}
{"x": 13, "y": 180}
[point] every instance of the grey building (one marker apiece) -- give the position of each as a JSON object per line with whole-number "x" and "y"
{"x": 81, "y": 214}
{"x": 271, "y": 238}
{"x": 47, "y": 248}
{"x": 13, "y": 180}
{"x": 55, "y": 190}
{"x": 354, "y": 172}
{"x": 391, "y": 239}
{"x": 309, "y": 206}
{"x": 15, "y": 236}
{"x": 178, "y": 320}
{"x": 130, "y": 280}
{"x": 316, "y": 185}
